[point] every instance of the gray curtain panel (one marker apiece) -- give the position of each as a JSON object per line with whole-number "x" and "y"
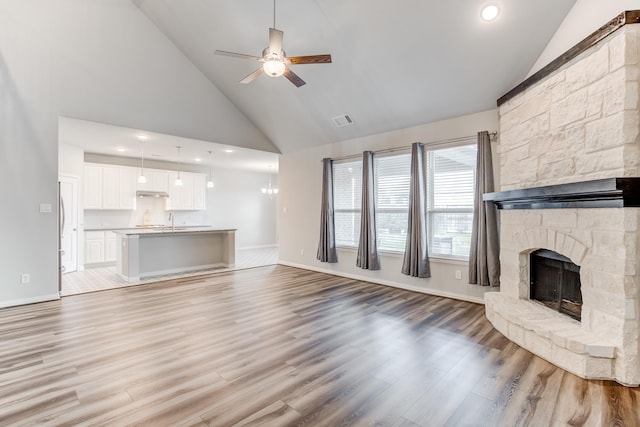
{"x": 416, "y": 252}
{"x": 484, "y": 257}
{"x": 327, "y": 244}
{"x": 367, "y": 246}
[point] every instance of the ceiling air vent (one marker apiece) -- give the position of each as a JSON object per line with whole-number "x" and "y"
{"x": 342, "y": 120}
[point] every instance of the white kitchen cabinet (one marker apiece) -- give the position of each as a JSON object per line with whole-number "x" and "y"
{"x": 157, "y": 180}
{"x": 109, "y": 187}
{"x": 92, "y": 186}
{"x": 99, "y": 247}
{"x": 114, "y": 187}
{"x": 127, "y": 178}
{"x": 160, "y": 180}
{"x": 94, "y": 247}
{"x": 109, "y": 246}
{"x": 191, "y": 195}
{"x": 199, "y": 192}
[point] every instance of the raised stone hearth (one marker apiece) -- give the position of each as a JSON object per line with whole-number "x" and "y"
{"x": 581, "y": 123}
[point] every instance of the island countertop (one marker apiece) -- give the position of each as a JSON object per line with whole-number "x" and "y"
{"x": 141, "y": 227}
{"x": 171, "y": 231}
{"x": 154, "y": 252}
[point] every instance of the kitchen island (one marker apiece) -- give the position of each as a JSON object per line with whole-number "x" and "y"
{"x": 146, "y": 253}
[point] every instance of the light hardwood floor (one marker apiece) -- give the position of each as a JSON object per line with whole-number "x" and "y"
{"x": 101, "y": 278}
{"x": 281, "y": 346}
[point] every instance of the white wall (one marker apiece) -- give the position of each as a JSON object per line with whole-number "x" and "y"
{"x": 584, "y": 18}
{"x": 70, "y": 160}
{"x": 299, "y": 208}
{"x": 236, "y": 202}
{"x": 100, "y": 60}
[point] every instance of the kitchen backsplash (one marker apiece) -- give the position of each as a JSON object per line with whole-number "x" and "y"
{"x": 148, "y": 211}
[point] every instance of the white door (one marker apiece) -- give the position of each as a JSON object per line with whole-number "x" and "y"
{"x": 68, "y": 223}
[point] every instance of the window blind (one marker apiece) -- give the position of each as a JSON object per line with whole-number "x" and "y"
{"x": 347, "y": 195}
{"x": 392, "y": 175}
{"x": 451, "y": 182}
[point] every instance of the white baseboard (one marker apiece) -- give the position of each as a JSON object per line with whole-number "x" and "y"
{"x": 257, "y": 247}
{"x": 387, "y": 283}
{"x": 25, "y": 301}
{"x": 147, "y": 276}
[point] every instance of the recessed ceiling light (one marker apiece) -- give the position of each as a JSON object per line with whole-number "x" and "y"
{"x": 228, "y": 151}
{"x": 198, "y": 159}
{"x": 121, "y": 150}
{"x": 490, "y": 12}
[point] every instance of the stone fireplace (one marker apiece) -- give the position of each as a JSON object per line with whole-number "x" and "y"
{"x": 569, "y": 145}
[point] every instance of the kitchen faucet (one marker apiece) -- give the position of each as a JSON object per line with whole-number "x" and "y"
{"x": 172, "y": 218}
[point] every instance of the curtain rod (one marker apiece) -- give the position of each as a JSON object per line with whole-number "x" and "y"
{"x": 492, "y": 137}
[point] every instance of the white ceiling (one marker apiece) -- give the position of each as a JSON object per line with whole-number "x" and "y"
{"x": 395, "y": 64}
{"x": 125, "y": 142}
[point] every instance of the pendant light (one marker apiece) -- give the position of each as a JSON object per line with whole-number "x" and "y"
{"x": 269, "y": 191}
{"x": 142, "y": 179}
{"x": 210, "y": 183}
{"x": 178, "y": 181}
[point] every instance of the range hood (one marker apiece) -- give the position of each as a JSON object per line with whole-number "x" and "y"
{"x": 156, "y": 194}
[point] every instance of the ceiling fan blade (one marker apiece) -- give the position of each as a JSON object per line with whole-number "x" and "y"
{"x": 275, "y": 40}
{"x": 311, "y": 59}
{"x": 293, "y": 77}
{"x": 238, "y": 55}
{"x": 251, "y": 77}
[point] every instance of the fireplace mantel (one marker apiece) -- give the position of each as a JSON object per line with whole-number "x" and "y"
{"x": 599, "y": 193}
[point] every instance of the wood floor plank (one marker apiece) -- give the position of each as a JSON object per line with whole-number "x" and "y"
{"x": 281, "y": 346}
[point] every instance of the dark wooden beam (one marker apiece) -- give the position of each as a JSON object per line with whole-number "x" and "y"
{"x": 599, "y": 193}
{"x": 627, "y": 17}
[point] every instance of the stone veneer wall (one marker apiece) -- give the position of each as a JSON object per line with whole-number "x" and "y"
{"x": 580, "y": 123}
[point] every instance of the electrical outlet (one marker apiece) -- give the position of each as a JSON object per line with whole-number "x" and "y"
{"x": 302, "y": 252}
{"x": 458, "y": 275}
{"x": 25, "y": 278}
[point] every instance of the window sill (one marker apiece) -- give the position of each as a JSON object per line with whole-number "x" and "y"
{"x": 445, "y": 260}
{"x": 437, "y": 259}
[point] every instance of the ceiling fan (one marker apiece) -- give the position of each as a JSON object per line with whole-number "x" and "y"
{"x": 275, "y": 63}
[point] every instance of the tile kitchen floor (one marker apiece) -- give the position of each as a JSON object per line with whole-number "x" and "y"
{"x": 101, "y": 278}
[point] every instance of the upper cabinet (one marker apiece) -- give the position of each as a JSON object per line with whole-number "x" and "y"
{"x": 109, "y": 187}
{"x": 199, "y": 191}
{"x": 92, "y": 186}
{"x": 157, "y": 180}
{"x": 191, "y": 195}
{"x": 114, "y": 187}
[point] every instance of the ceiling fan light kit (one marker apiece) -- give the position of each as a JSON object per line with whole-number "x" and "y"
{"x": 274, "y": 65}
{"x": 274, "y": 60}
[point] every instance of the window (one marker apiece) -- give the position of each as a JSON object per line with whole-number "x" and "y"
{"x": 451, "y": 180}
{"x": 347, "y": 196}
{"x": 450, "y": 188}
{"x": 392, "y": 174}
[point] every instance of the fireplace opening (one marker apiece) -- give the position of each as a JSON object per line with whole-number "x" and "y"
{"x": 555, "y": 282}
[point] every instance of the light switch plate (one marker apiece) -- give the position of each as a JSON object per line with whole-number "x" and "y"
{"x": 45, "y": 208}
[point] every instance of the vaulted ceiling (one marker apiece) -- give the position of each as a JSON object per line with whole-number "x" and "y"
{"x": 395, "y": 64}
